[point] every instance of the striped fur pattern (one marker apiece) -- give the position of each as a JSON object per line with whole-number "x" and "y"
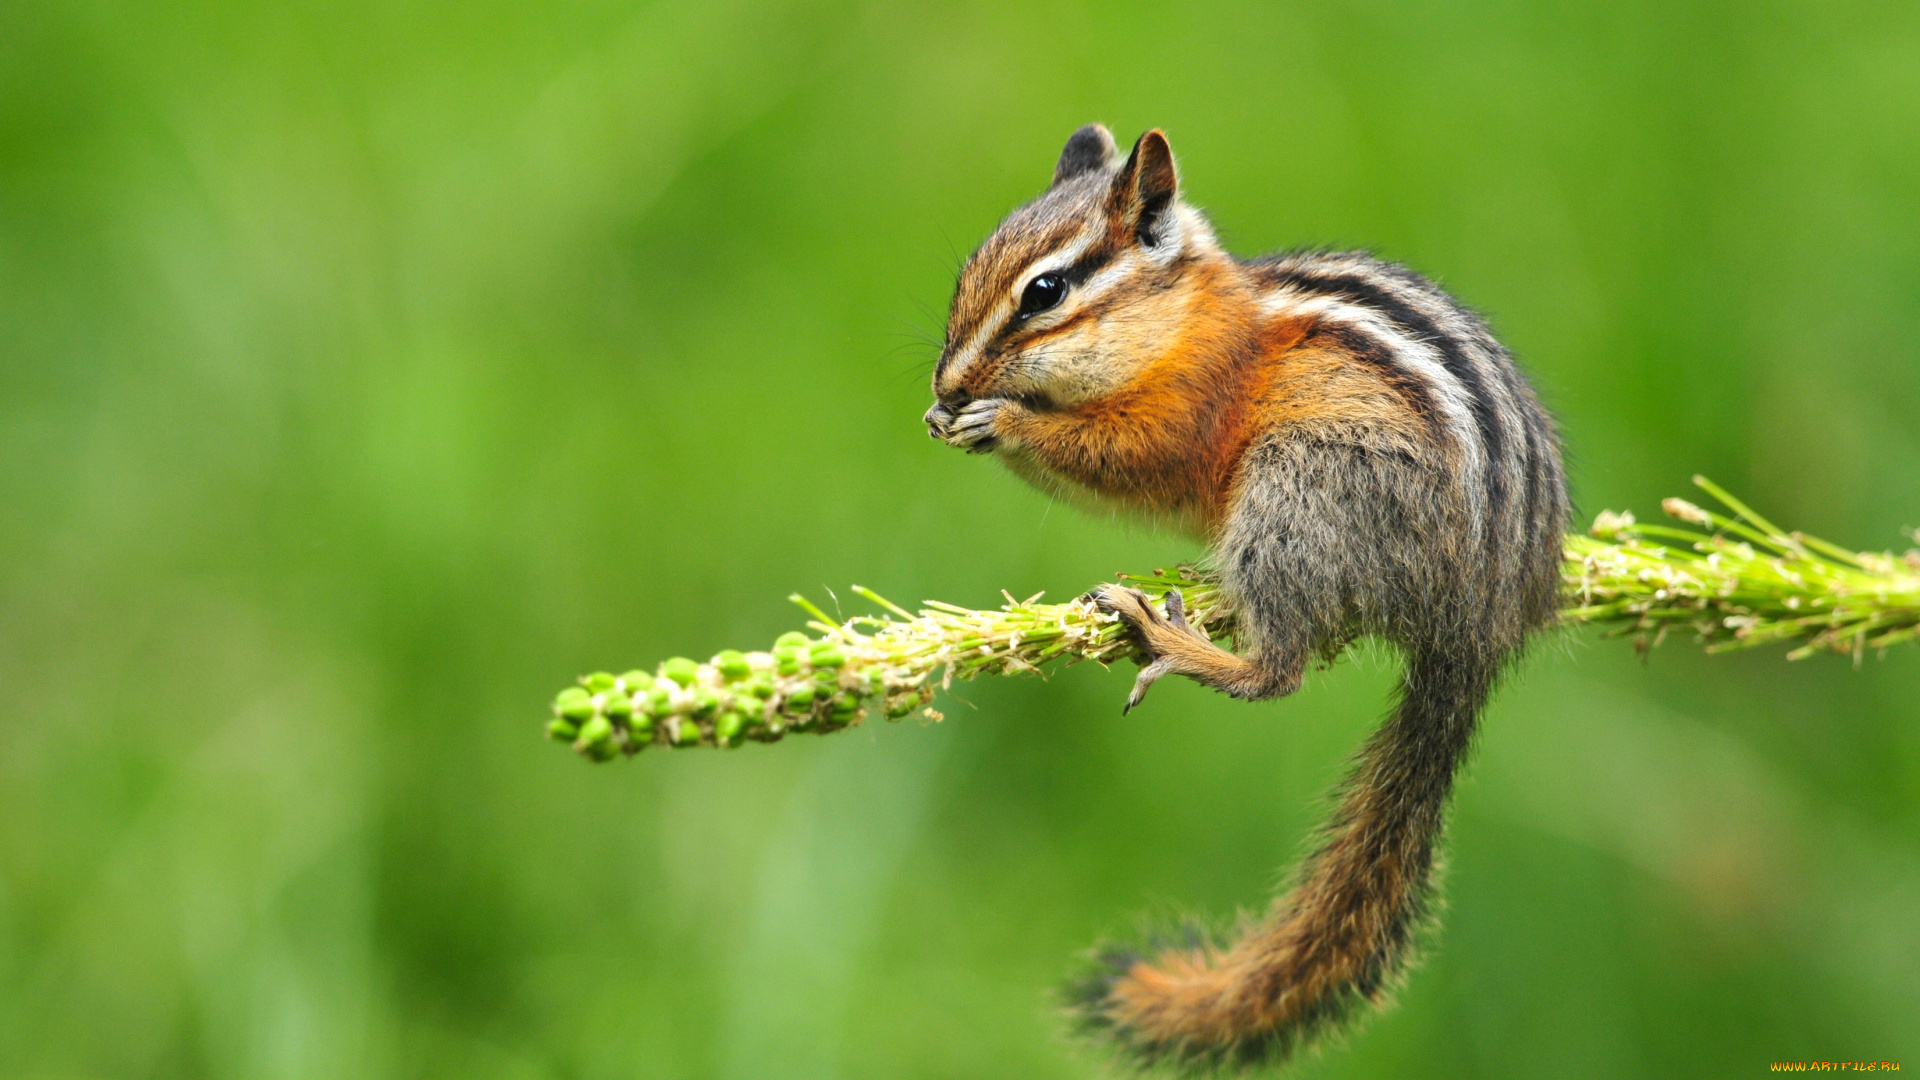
{"x": 1364, "y": 459}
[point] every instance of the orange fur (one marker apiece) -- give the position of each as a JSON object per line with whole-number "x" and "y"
{"x": 1171, "y": 438}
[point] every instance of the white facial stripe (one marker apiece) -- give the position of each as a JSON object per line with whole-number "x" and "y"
{"x": 1053, "y": 262}
{"x": 1108, "y": 276}
{"x": 970, "y": 352}
{"x": 1117, "y": 270}
{"x": 990, "y": 327}
{"x": 1417, "y": 357}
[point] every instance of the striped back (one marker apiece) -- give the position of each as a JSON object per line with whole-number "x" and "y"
{"x": 1509, "y": 455}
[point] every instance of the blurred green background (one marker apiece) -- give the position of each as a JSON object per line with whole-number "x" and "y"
{"x": 369, "y": 369}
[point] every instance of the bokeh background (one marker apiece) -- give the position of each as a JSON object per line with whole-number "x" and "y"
{"x": 370, "y": 369}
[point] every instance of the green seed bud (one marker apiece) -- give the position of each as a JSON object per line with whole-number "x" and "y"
{"x": 640, "y": 729}
{"x": 800, "y": 700}
{"x": 603, "y": 751}
{"x": 686, "y": 732}
{"x": 681, "y": 670}
{"x": 732, "y": 665}
{"x": 597, "y": 682}
{"x": 792, "y": 639}
{"x": 844, "y": 706}
{"x": 561, "y": 729}
{"x": 574, "y": 703}
{"x": 825, "y": 655}
{"x": 660, "y": 699}
{"x": 901, "y": 706}
{"x": 787, "y": 661}
{"x": 637, "y": 680}
{"x": 617, "y": 705}
{"x": 704, "y": 701}
{"x": 761, "y": 686}
{"x": 727, "y": 728}
{"x": 594, "y": 732}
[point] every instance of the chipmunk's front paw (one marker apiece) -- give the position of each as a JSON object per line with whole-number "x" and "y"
{"x": 1160, "y": 635}
{"x": 973, "y": 426}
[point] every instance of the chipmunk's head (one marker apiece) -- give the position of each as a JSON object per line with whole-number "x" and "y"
{"x": 1077, "y": 288}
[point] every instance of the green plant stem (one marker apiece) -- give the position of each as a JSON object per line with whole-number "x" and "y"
{"x": 1744, "y": 583}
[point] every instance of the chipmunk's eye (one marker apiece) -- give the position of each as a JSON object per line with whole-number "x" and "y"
{"x": 1043, "y": 292}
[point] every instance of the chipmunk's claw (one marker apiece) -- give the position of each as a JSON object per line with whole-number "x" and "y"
{"x": 1136, "y": 609}
{"x": 1143, "y": 682}
{"x": 1149, "y": 627}
{"x": 1119, "y": 600}
{"x": 937, "y": 419}
{"x": 971, "y": 428}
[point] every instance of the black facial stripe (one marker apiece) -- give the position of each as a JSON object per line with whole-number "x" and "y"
{"x": 1452, "y": 356}
{"x": 1076, "y": 274}
{"x": 1087, "y": 265}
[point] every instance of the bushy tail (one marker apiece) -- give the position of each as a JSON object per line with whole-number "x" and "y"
{"x": 1339, "y": 940}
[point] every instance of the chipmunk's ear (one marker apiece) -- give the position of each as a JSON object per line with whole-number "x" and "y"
{"x": 1146, "y": 185}
{"x": 1088, "y": 149}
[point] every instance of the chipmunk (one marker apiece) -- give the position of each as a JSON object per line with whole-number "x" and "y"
{"x": 1362, "y": 457}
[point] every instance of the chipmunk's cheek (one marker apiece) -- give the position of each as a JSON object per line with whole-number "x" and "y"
{"x": 1075, "y": 377}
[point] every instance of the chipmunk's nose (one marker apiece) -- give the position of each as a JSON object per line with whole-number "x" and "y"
{"x": 937, "y": 419}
